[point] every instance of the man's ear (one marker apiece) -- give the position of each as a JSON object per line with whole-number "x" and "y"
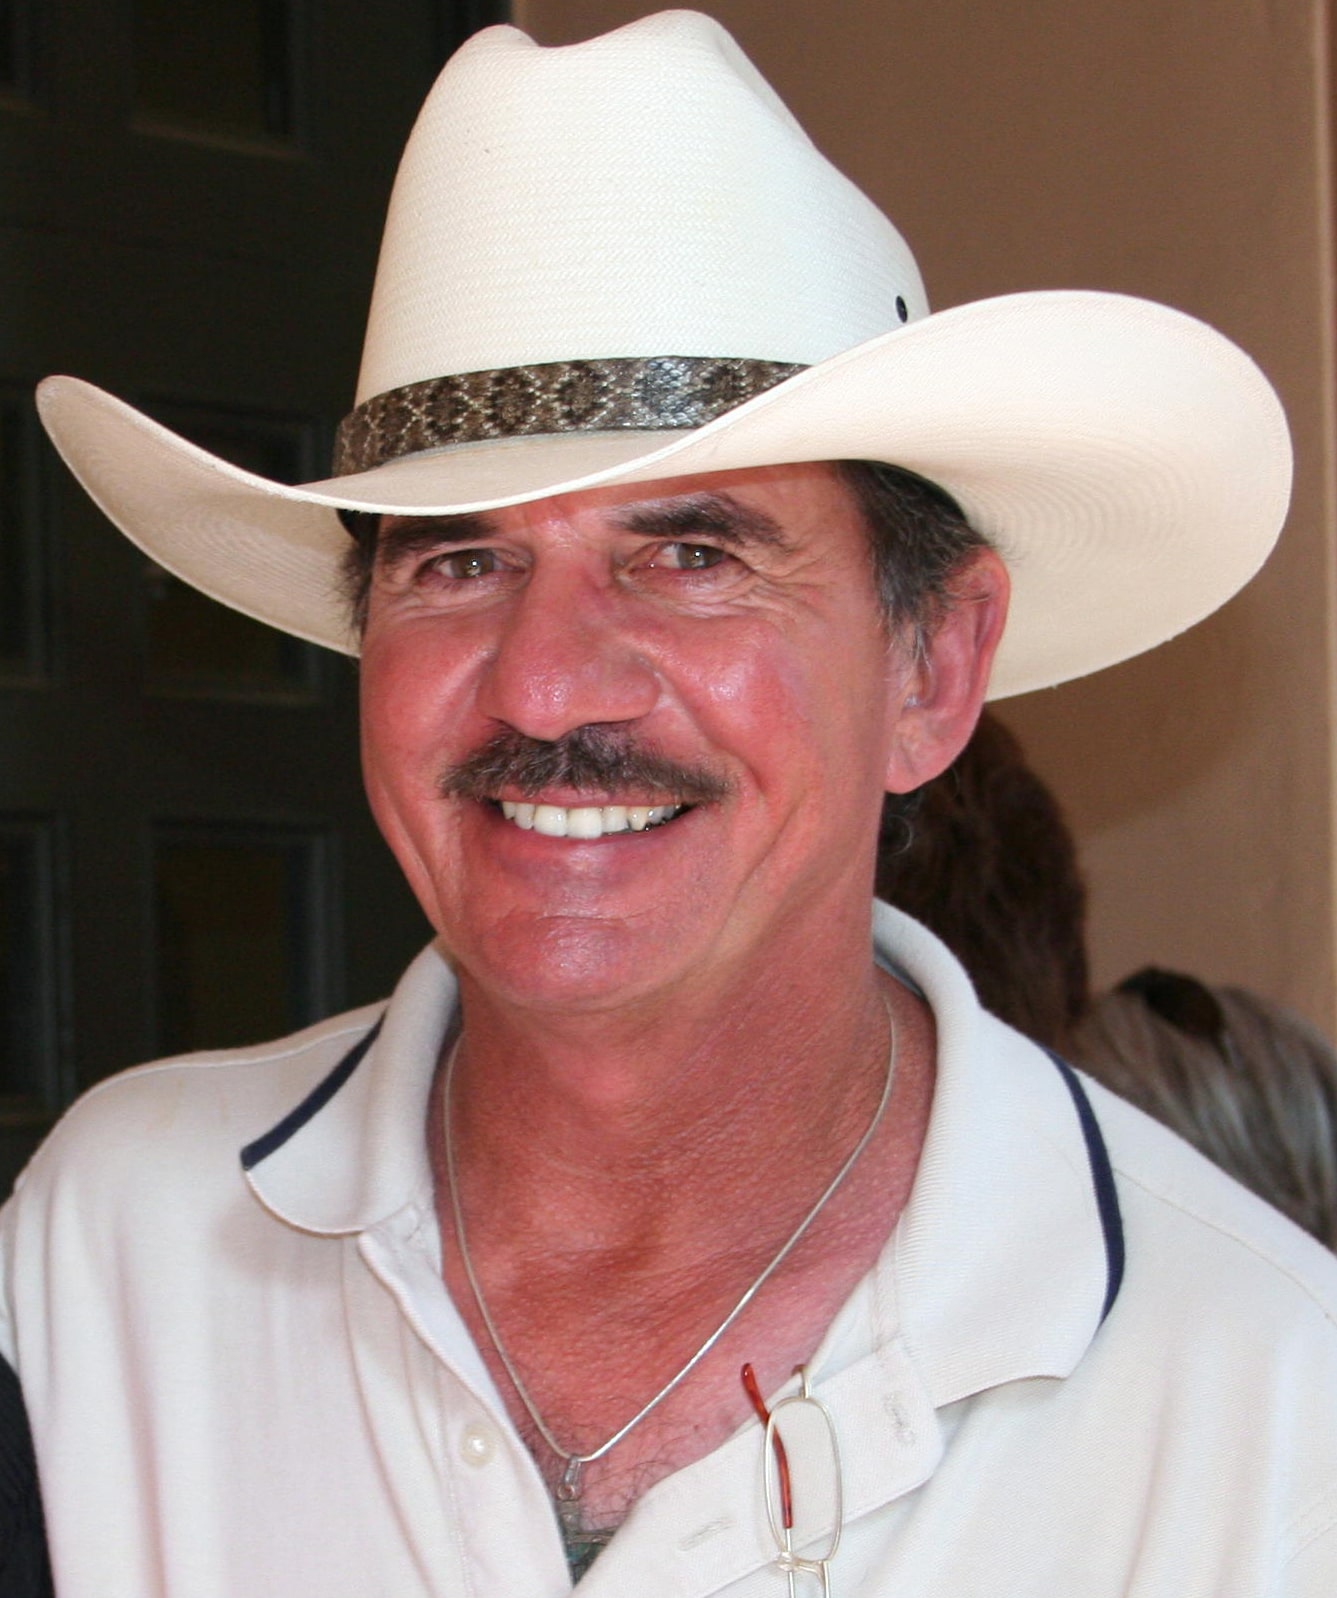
{"x": 945, "y": 686}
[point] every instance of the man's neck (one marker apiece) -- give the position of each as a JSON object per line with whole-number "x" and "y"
{"x": 616, "y": 1209}
{"x": 584, "y": 1123}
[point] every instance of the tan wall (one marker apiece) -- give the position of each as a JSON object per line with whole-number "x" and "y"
{"x": 1180, "y": 152}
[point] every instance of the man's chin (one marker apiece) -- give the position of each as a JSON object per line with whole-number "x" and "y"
{"x": 575, "y": 963}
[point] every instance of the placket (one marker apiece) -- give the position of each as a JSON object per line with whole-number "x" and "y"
{"x": 472, "y": 1498}
{"x": 473, "y": 1495}
{"x": 704, "y": 1530}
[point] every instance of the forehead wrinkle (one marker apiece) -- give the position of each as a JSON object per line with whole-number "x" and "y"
{"x": 719, "y": 515}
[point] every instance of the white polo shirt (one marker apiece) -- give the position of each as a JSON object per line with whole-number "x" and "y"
{"x": 253, "y": 1383}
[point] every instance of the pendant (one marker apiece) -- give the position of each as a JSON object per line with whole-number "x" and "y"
{"x": 567, "y": 1495}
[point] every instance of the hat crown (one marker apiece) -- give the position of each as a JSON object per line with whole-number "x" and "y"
{"x": 644, "y": 193}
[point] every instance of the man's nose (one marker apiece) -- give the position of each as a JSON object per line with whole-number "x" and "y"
{"x": 568, "y": 654}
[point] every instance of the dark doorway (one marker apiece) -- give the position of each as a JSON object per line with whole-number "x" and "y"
{"x": 191, "y": 194}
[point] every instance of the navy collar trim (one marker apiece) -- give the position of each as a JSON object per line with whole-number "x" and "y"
{"x": 312, "y": 1104}
{"x": 1102, "y": 1172}
{"x": 1102, "y": 1179}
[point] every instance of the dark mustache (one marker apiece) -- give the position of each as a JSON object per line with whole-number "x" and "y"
{"x": 592, "y": 758}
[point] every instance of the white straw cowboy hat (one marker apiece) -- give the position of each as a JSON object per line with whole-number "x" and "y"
{"x": 623, "y": 260}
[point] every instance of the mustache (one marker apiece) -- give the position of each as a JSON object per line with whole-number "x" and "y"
{"x": 592, "y": 758}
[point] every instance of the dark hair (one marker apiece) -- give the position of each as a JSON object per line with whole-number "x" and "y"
{"x": 1250, "y": 1085}
{"x": 357, "y": 563}
{"x": 985, "y": 860}
{"x": 917, "y": 535}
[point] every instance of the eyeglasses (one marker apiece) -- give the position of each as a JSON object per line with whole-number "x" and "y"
{"x": 802, "y": 1412}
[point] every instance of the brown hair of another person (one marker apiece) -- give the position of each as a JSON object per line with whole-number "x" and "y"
{"x": 985, "y": 860}
{"x": 1250, "y": 1085}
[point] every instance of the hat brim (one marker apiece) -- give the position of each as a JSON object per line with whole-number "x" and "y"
{"x": 1131, "y": 465}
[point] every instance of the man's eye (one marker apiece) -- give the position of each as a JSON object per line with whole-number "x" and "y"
{"x": 465, "y": 564}
{"x": 690, "y": 557}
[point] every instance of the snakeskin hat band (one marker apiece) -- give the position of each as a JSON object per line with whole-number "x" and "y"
{"x": 623, "y": 261}
{"x": 560, "y": 397}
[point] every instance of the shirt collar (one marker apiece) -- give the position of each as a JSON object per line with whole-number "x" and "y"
{"x": 996, "y": 1270}
{"x": 999, "y": 1260}
{"x": 353, "y": 1150}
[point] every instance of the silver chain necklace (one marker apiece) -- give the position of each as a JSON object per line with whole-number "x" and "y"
{"x": 568, "y": 1490}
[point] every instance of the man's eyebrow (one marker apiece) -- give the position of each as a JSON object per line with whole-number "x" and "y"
{"x": 710, "y": 514}
{"x": 401, "y": 537}
{"x": 716, "y": 515}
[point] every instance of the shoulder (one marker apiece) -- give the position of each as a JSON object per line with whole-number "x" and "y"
{"x": 193, "y": 1103}
{"x": 1196, "y": 1236}
{"x": 157, "y": 1149}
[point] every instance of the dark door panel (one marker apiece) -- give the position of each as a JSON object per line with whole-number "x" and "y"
{"x": 191, "y": 194}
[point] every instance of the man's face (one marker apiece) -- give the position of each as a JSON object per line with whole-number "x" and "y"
{"x": 721, "y": 630}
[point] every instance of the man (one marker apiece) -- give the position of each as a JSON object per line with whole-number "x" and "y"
{"x": 660, "y": 1216}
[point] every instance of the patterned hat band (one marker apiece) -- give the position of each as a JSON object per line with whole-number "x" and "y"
{"x": 659, "y": 392}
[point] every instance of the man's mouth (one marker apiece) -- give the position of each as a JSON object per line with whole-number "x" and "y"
{"x": 587, "y": 821}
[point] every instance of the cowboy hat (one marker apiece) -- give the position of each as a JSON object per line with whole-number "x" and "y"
{"x": 622, "y": 261}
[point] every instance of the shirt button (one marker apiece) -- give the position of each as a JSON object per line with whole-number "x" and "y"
{"x": 477, "y": 1445}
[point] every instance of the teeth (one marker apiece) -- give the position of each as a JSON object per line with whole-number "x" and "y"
{"x": 550, "y": 820}
{"x": 586, "y": 822}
